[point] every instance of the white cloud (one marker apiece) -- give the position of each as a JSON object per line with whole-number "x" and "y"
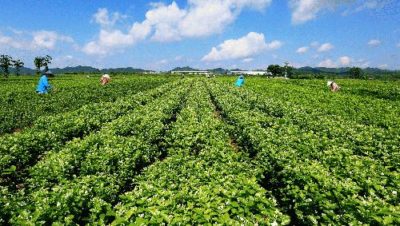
{"x": 48, "y": 39}
{"x": 245, "y": 47}
{"x": 11, "y": 42}
{"x": 398, "y": 45}
{"x": 327, "y": 63}
{"x": 165, "y": 23}
{"x": 274, "y": 45}
{"x": 247, "y": 60}
{"x": 345, "y": 60}
{"x": 306, "y": 10}
{"x": 374, "y": 42}
{"x": 163, "y": 19}
{"x": 103, "y": 18}
{"x": 302, "y": 50}
{"x": 325, "y": 47}
{"x": 110, "y": 40}
{"x": 37, "y": 40}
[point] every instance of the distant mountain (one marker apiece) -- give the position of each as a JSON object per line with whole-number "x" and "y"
{"x": 82, "y": 69}
{"x": 76, "y": 69}
{"x": 23, "y": 71}
{"x": 123, "y": 70}
{"x": 187, "y": 68}
{"x": 218, "y": 71}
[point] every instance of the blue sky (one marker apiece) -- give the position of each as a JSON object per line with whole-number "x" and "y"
{"x": 160, "y": 35}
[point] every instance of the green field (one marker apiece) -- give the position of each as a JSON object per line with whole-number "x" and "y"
{"x": 170, "y": 150}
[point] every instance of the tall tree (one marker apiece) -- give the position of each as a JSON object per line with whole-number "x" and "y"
{"x": 5, "y": 63}
{"x": 288, "y": 70}
{"x": 356, "y": 72}
{"x": 38, "y": 62}
{"x": 275, "y": 70}
{"x": 18, "y": 64}
{"x": 46, "y": 61}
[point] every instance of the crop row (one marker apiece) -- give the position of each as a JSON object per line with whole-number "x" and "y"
{"x": 204, "y": 180}
{"x": 21, "y": 150}
{"x": 369, "y": 142}
{"x": 70, "y": 185}
{"x": 351, "y": 103}
{"x": 315, "y": 181}
{"x": 20, "y": 106}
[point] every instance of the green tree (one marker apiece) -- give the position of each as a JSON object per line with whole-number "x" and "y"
{"x": 38, "y": 62}
{"x": 46, "y": 61}
{"x": 288, "y": 70}
{"x": 275, "y": 70}
{"x": 18, "y": 64}
{"x": 356, "y": 72}
{"x": 5, "y": 63}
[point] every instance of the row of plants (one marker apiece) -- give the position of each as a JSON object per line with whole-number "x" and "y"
{"x": 68, "y": 186}
{"x": 20, "y": 106}
{"x": 204, "y": 180}
{"x": 21, "y": 150}
{"x": 378, "y": 143}
{"x": 360, "y": 101}
{"x": 316, "y": 179}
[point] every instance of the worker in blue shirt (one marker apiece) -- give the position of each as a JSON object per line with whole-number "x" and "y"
{"x": 43, "y": 85}
{"x": 240, "y": 81}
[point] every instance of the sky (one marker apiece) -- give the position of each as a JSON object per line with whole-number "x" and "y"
{"x": 161, "y": 35}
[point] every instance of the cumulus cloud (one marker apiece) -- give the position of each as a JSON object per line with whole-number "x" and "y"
{"x": 374, "y": 42}
{"x": 109, "y": 40}
{"x": 302, "y": 50}
{"x": 48, "y": 39}
{"x": 11, "y": 42}
{"x": 104, "y": 19}
{"x": 34, "y": 40}
{"x": 325, "y": 47}
{"x": 164, "y": 23}
{"x": 251, "y": 44}
{"x": 305, "y": 10}
{"x": 345, "y": 60}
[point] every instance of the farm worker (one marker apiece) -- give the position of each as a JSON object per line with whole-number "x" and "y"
{"x": 105, "y": 79}
{"x": 240, "y": 81}
{"x": 333, "y": 86}
{"x": 43, "y": 86}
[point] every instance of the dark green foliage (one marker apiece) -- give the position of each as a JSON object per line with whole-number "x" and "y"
{"x": 275, "y": 70}
{"x": 5, "y": 63}
{"x": 356, "y": 72}
{"x": 18, "y": 64}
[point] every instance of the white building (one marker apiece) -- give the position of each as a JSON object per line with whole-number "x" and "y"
{"x": 250, "y": 72}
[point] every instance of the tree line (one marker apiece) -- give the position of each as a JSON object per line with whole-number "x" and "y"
{"x": 275, "y": 70}
{"x": 7, "y": 62}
